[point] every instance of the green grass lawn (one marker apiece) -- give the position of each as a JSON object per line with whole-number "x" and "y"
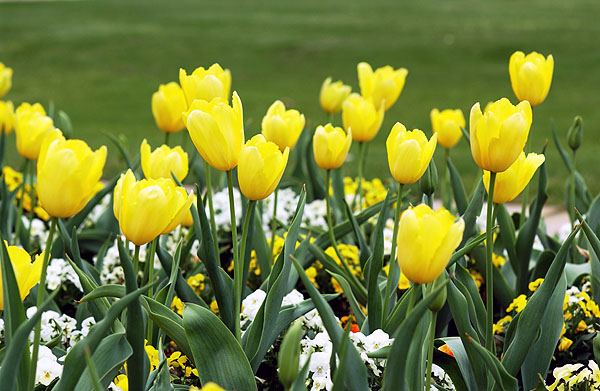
{"x": 100, "y": 61}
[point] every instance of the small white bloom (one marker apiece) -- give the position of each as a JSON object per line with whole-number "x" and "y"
{"x": 292, "y": 298}
{"x": 251, "y": 304}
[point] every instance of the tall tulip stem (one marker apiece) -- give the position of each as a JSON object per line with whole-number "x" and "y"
{"x": 446, "y": 191}
{"x": 32, "y": 200}
{"x": 525, "y": 195}
{"x": 572, "y": 190}
{"x": 413, "y": 297}
{"x": 40, "y": 299}
{"x": 18, "y": 220}
{"x": 213, "y": 225}
{"x": 240, "y": 268}
{"x": 237, "y": 267}
{"x": 361, "y": 162}
{"x": 391, "y": 283}
{"x": 489, "y": 266}
{"x": 430, "y": 350}
{"x": 274, "y": 222}
{"x": 167, "y": 136}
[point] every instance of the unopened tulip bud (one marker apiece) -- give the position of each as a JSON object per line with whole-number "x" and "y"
{"x": 429, "y": 180}
{"x": 288, "y": 358}
{"x": 575, "y": 134}
{"x": 440, "y": 299}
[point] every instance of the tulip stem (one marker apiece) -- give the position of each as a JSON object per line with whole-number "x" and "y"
{"x": 332, "y": 235}
{"x": 446, "y": 193}
{"x": 525, "y": 200}
{"x": 274, "y": 224}
{"x": 413, "y": 297}
{"x": 33, "y": 201}
{"x": 237, "y": 267}
{"x": 40, "y": 299}
{"x": 167, "y": 136}
{"x": 241, "y": 269}
{"x": 489, "y": 266}
{"x": 18, "y": 220}
{"x": 572, "y": 190}
{"x": 430, "y": 350}
{"x": 361, "y": 160}
{"x": 391, "y": 281}
{"x": 213, "y": 225}
{"x": 136, "y": 259}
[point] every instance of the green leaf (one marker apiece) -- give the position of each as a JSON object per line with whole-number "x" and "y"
{"x": 108, "y": 290}
{"x": 399, "y": 364}
{"x": 109, "y": 357}
{"x": 74, "y": 363}
{"x": 458, "y": 189}
{"x": 477, "y": 312}
{"x": 473, "y": 211}
{"x": 504, "y": 380}
{"x": 262, "y": 248}
{"x": 365, "y": 250}
{"x": 217, "y": 354}
{"x": 540, "y": 353}
{"x": 462, "y": 361}
{"x": 356, "y": 373}
{"x": 398, "y": 313}
{"x": 315, "y": 181}
{"x": 356, "y": 310}
{"x": 531, "y": 316}
{"x": 221, "y": 283}
{"x": 528, "y": 231}
{"x": 561, "y": 150}
{"x": 507, "y": 234}
{"x": 121, "y": 148}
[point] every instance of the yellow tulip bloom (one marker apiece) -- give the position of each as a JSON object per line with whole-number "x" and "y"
{"x": 409, "y": 153}
{"x": 426, "y": 240}
{"x": 361, "y": 115}
{"x": 167, "y": 105}
{"x": 281, "y": 126}
{"x": 446, "y": 124}
{"x": 148, "y": 208}
{"x": 510, "y": 183}
{"x": 162, "y": 161}
{"x": 499, "y": 135}
{"x": 5, "y": 79}
{"x": 189, "y": 219}
{"x": 27, "y": 273}
{"x": 7, "y": 116}
{"x": 210, "y": 386}
{"x": 217, "y": 130}
{"x": 260, "y": 167}
{"x": 383, "y": 85}
{"x": 531, "y": 76}
{"x": 333, "y": 95}
{"x": 205, "y": 84}
{"x": 330, "y": 146}
{"x": 68, "y": 175}
{"x": 32, "y": 126}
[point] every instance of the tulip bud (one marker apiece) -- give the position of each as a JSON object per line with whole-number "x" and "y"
{"x": 7, "y": 116}
{"x": 205, "y": 84}
{"x": 167, "y": 105}
{"x": 409, "y": 153}
{"x": 383, "y": 86}
{"x": 447, "y": 125}
{"x": 260, "y": 168}
{"x": 510, "y": 183}
{"x": 426, "y": 240}
{"x": 429, "y": 180}
{"x": 217, "y": 130}
{"x": 281, "y": 126}
{"x": 575, "y": 134}
{"x": 440, "y": 299}
{"x": 288, "y": 358}
{"x": 5, "y": 79}
{"x": 210, "y": 386}
{"x": 32, "y": 126}
{"x": 333, "y": 95}
{"x": 27, "y": 273}
{"x": 531, "y": 76}
{"x": 499, "y": 135}
{"x": 330, "y": 146}
{"x": 148, "y": 208}
{"x": 68, "y": 175}
{"x": 361, "y": 115}
{"x": 163, "y": 161}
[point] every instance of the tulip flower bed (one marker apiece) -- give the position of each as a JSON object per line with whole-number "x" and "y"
{"x": 312, "y": 282}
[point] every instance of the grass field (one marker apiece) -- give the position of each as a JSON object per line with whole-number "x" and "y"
{"x": 100, "y": 61}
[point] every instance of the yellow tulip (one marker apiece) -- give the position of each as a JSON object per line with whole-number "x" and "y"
{"x": 210, "y": 386}
{"x": 531, "y": 76}
{"x": 7, "y": 116}
{"x": 205, "y": 84}
{"x": 217, "y": 130}
{"x": 510, "y": 183}
{"x": 426, "y": 240}
{"x": 361, "y": 115}
{"x": 32, "y": 126}
{"x": 148, "y": 208}
{"x": 189, "y": 219}
{"x": 27, "y": 273}
{"x": 68, "y": 175}
{"x": 281, "y": 126}
{"x": 409, "y": 153}
{"x": 330, "y": 146}
{"x": 167, "y": 105}
{"x": 333, "y": 95}
{"x": 499, "y": 135}
{"x": 446, "y": 124}
{"x": 5, "y": 79}
{"x": 383, "y": 85}
{"x": 162, "y": 161}
{"x": 260, "y": 167}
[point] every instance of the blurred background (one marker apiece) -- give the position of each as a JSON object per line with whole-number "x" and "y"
{"x": 100, "y": 61}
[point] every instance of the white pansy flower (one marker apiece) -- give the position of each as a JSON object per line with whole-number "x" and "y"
{"x": 251, "y": 304}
